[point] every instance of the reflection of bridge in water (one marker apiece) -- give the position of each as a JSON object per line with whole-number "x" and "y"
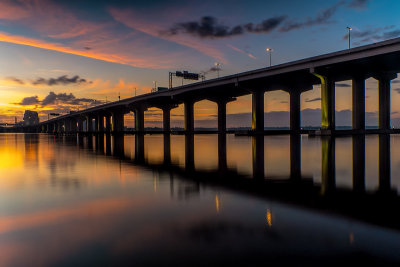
{"x": 377, "y": 207}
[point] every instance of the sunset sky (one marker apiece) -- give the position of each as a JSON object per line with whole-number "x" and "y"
{"x": 62, "y": 55}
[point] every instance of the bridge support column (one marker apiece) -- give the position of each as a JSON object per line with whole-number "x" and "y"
{"x": 139, "y": 119}
{"x": 67, "y": 126}
{"x": 189, "y": 116}
{"x": 327, "y": 102}
{"x": 295, "y": 111}
{"x": 108, "y": 123}
{"x": 118, "y": 121}
{"x": 80, "y": 125}
{"x": 89, "y": 124}
{"x": 166, "y": 119}
{"x": 257, "y": 104}
{"x": 358, "y": 98}
{"x": 96, "y": 124}
{"x": 384, "y": 99}
{"x": 359, "y": 163}
{"x": 100, "y": 119}
{"x": 384, "y": 163}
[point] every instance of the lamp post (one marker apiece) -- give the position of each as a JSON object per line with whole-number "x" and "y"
{"x": 349, "y": 29}
{"x": 269, "y": 50}
{"x": 155, "y": 86}
{"x": 217, "y": 65}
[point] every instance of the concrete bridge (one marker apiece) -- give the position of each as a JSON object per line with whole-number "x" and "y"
{"x": 380, "y": 61}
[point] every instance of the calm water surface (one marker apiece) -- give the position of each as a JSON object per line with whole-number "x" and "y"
{"x": 109, "y": 201}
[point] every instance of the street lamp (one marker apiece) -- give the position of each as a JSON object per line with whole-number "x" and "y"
{"x": 349, "y": 29}
{"x": 155, "y": 86}
{"x": 269, "y": 50}
{"x": 217, "y": 64}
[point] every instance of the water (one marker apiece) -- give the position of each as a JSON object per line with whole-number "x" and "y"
{"x": 112, "y": 201}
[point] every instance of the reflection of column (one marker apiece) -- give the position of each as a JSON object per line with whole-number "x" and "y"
{"x": 257, "y": 103}
{"x": 90, "y": 141}
{"x": 384, "y": 162}
{"x": 359, "y": 163}
{"x": 189, "y": 116}
{"x": 222, "y": 162}
{"x": 80, "y": 141}
{"x": 118, "y": 148}
{"x": 108, "y": 145}
{"x": 139, "y": 148}
{"x": 139, "y": 120}
{"x": 328, "y": 164}
{"x": 258, "y": 156}
{"x": 189, "y": 152}
{"x": 295, "y": 157}
{"x": 100, "y": 143}
{"x": 294, "y": 111}
{"x": 358, "y": 103}
{"x": 167, "y": 149}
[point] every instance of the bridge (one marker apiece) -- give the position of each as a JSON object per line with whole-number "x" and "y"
{"x": 379, "y": 60}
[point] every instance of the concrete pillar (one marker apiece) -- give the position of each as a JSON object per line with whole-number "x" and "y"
{"x": 80, "y": 125}
{"x": 257, "y": 103}
{"x": 257, "y": 146}
{"x": 295, "y": 111}
{"x": 100, "y": 119}
{"x": 189, "y": 116}
{"x": 359, "y": 163}
{"x": 384, "y": 163}
{"x": 108, "y": 144}
{"x": 384, "y": 99}
{"x": 328, "y": 168}
{"x": 139, "y": 119}
{"x": 118, "y": 121}
{"x": 96, "y": 124}
{"x": 295, "y": 157}
{"x": 108, "y": 123}
{"x": 67, "y": 125}
{"x": 118, "y": 148}
{"x": 327, "y": 102}
{"x": 89, "y": 124}
{"x": 221, "y": 103}
{"x": 166, "y": 119}
{"x": 358, "y": 103}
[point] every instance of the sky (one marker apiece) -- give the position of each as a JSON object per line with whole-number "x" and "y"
{"x": 64, "y": 55}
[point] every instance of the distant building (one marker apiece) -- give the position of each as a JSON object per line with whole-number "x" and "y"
{"x": 31, "y": 118}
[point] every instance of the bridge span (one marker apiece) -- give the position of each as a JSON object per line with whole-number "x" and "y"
{"x": 379, "y": 60}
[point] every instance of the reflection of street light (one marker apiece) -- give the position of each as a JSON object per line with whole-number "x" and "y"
{"x": 217, "y": 64}
{"x": 349, "y": 28}
{"x": 269, "y": 50}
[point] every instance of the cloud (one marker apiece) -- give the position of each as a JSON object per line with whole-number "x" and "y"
{"x": 342, "y": 85}
{"x": 322, "y": 18}
{"x": 241, "y": 51}
{"x": 313, "y": 100}
{"x": 62, "y": 80}
{"x": 358, "y": 4}
{"x": 58, "y": 99}
{"x": 209, "y": 27}
{"x": 15, "y": 80}
{"x": 373, "y": 34}
{"x": 397, "y": 90}
{"x": 32, "y": 100}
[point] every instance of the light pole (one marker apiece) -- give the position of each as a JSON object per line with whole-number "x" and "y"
{"x": 155, "y": 86}
{"x": 349, "y": 29}
{"x": 217, "y": 64}
{"x": 269, "y": 50}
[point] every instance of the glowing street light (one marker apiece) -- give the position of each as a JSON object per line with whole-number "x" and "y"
{"x": 349, "y": 29}
{"x": 269, "y": 50}
{"x": 217, "y": 65}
